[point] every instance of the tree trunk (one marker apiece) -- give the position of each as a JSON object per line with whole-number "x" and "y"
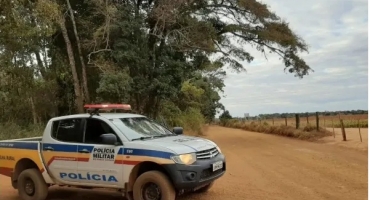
{"x": 40, "y": 64}
{"x": 84, "y": 77}
{"x": 72, "y": 63}
{"x": 34, "y": 113}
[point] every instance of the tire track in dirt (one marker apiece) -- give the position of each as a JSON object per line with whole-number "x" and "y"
{"x": 263, "y": 167}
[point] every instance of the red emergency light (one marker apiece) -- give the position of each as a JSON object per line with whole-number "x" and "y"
{"x": 94, "y": 108}
{"x": 108, "y": 106}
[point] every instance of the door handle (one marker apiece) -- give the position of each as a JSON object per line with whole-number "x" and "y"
{"x": 84, "y": 151}
{"x": 48, "y": 149}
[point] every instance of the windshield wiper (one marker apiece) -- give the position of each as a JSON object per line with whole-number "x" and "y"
{"x": 143, "y": 138}
{"x": 152, "y": 137}
{"x": 167, "y": 135}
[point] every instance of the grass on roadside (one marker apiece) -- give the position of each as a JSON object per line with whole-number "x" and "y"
{"x": 13, "y": 131}
{"x": 308, "y": 132}
{"x": 348, "y": 123}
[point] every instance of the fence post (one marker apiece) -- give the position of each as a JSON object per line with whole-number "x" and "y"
{"x": 286, "y": 121}
{"x": 359, "y": 129}
{"x": 332, "y": 124}
{"x": 273, "y": 122}
{"x": 317, "y": 121}
{"x": 297, "y": 121}
{"x": 343, "y": 130}
{"x": 308, "y": 122}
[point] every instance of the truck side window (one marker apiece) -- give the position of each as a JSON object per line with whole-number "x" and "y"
{"x": 68, "y": 130}
{"x": 95, "y": 128}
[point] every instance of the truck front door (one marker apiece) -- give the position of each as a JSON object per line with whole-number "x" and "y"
{"x": 103, "y": 167}
{"x": 59, "y": 149}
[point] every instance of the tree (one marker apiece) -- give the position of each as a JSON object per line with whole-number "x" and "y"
{"x": 82, "y": 60}
{"x": 165, "y": 58}
{"x": 225, "y": 115}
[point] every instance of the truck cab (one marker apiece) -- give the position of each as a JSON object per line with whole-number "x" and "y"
{"x": 124, "y": 151}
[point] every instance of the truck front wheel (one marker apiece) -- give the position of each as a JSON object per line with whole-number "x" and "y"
{"x": 31, "y": 185}
{"x": 153, "y": 185}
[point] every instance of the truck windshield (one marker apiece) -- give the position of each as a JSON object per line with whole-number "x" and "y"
{"x": 145, "y": 127}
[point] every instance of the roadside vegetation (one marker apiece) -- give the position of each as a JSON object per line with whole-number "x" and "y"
{"x": 308, "y": 132}
{"x": 168, "y": 59}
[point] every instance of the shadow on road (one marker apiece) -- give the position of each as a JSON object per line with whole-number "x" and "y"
{"x": 58, "y": 193}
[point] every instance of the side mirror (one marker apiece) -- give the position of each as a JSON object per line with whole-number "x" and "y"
{"x": 178, "y": 130}
{"x": 109, "y": 139}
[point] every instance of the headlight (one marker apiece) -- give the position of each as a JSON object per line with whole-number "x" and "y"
{"x": 218, "y": 148}
{"x": 186, "y": 159}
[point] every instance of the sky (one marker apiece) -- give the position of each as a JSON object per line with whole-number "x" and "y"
{"x": 337, "y": 34}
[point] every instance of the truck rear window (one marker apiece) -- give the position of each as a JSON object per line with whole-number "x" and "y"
{"x": 68, "y": 130}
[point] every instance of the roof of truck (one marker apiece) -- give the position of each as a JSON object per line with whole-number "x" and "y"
{"x": 105, "y": 115}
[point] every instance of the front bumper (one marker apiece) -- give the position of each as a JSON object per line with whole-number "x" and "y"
{"x": 199, "y": 174}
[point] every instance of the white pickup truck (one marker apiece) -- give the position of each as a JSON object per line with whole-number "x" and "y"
{"x": 123, "y": 151}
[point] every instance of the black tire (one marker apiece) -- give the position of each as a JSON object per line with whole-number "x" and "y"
{"x": 205, "y": 188}
{"x": 32, "y": 177}
{"x": 160, "y": 180}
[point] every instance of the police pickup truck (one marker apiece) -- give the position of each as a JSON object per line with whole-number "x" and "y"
{"x": 122, "y": 151}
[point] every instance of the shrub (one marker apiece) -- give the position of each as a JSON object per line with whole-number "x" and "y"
{"x": 193, "y": 120}
{"x": 11, "y": 130}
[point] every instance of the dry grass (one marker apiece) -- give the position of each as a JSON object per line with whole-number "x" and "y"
{"x": 201, "y": 132}
{"x": 349, "y": 121}
{"x": 306, "y": 133}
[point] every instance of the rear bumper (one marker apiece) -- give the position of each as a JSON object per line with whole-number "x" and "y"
{"x": 199, "y": 174}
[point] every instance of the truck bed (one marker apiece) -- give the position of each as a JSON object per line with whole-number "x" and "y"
{"x": 12, "y": 151}
{"x": 31, "y": 139}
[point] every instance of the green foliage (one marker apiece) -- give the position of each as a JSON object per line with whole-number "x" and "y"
{"x": 193, "y": 120}
{"x": 114, "y": 87}
{"x": 11, "y": 130}
{"x": 225, "y": 117}
{"x": 165, "y": 58}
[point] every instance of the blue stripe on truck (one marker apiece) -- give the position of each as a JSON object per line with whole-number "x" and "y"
{"x": 69, "y": 148}
{"x": 72, "y": 148}
{"x": 146, "y": 152}
{"x": 19, "y": 145}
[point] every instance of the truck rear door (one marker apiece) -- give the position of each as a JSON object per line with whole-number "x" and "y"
{"x": 60, "y": 147}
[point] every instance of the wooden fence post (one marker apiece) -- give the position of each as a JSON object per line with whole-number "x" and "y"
{"x": 308, "y": 122}
{"x": 343, "y": 130}
{"x": 273, "y": 122}
{"x": 359, "y": 129}
{"x": 286, "y": 121}
{"x": 317, "y": 121}
{"x": 297, "y": 121}
{"x": 332, "y": 124}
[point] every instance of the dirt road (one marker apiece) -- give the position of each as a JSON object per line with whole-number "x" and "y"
{"x": 264, "y": 167}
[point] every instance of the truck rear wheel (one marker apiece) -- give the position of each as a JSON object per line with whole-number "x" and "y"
{"x": 153, "y": 185}
{"x": 31, "y": 185}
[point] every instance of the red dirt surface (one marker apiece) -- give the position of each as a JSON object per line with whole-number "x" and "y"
{"x": 263, "y": 167}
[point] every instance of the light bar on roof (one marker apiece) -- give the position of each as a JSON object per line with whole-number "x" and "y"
{"x": 108, "y": 106}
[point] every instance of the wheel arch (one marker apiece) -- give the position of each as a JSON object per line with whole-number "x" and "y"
{"x": 22, "y": 164}
{"x": 142, "y": 168}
